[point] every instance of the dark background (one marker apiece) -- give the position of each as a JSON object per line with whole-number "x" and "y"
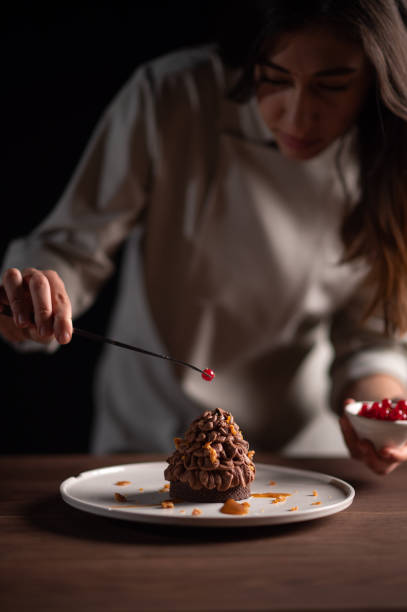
{"x": 61, "y": 64}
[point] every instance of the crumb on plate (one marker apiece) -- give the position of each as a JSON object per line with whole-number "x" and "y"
{"x": 167, "y": 504}
{"x": 279, "y": 499}
{"x": 119, "y": 497}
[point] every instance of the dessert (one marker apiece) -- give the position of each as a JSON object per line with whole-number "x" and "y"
{"x": 386, "y": 410}
{"x": 212, "y": 463}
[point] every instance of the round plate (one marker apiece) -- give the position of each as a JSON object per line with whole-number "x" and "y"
{"x": 312, "y": 495}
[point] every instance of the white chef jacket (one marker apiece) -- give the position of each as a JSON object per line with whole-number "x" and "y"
{"x": 232, "y": 261}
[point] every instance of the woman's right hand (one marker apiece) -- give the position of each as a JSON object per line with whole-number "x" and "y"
{"x": 40, "y": 305}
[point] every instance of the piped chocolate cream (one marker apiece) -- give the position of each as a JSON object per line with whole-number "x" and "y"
{"x": 212, "y": 462}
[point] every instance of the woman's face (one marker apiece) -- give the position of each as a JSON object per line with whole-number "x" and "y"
{"x": 310, "y": 89}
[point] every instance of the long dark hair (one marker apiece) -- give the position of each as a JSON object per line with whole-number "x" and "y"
{"x": 376, "y": 228}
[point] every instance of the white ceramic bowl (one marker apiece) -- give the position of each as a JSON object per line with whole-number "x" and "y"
{"x": 380, "y": 433}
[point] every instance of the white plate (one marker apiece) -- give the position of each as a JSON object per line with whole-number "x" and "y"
{"x": 94, "y": 492}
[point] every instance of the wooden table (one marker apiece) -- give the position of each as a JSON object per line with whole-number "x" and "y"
{"x": 54, "y": 557}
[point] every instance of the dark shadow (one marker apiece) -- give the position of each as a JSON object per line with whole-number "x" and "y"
{"x": 43, "y": 140}
{"x": 52, "y": 514}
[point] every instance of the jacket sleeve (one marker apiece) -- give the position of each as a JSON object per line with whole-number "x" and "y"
{"x": 103, "y": 201}
{"x": 361, "y": 348}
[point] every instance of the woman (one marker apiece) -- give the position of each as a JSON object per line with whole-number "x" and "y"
{"x": 261, "y": 190}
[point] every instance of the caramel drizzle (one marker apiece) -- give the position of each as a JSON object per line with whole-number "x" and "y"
{"x": 212, "y": 452}
{"x": 276, "y": 495}
{"x": 233, "y": 507}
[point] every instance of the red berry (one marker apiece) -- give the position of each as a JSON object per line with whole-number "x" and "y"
{"x": 383, "y": 413}
{"x": 386, "y": 410}
{"x": 373, "y": 413}
{"x": 208, "y": 374}
{"x": 399, "y": 415}
{"x": 402, "y": 405}
{"x": 364, "y": 409}
{"x": 394, "y": 414}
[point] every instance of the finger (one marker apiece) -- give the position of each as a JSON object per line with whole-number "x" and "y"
{"x": 390, "y": 468}
{"x": 354, "y": 444}
{"x": 394, "y": 453}
{"x": 378, "y": 464}
{"x": 40, "y": 292}
{"x": 31, "y": 333}
{"x": 61, "y": 307}
{"x": 380, "y": 467}
{"x": 16, "y": 296}
{"x": 9, "y": 331}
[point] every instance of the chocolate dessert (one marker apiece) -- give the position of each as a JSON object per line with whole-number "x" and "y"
{"x": 212, "y": 463}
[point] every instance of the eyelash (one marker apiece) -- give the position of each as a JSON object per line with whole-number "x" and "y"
{"x": 327, "y": 87}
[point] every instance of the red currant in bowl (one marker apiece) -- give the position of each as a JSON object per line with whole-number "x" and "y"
{"x": 384, "y": 423}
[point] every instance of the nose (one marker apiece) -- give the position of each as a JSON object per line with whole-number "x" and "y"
{"x": 301, "y": 112}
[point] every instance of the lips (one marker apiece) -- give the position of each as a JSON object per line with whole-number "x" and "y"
{"x": 298, "y": 144}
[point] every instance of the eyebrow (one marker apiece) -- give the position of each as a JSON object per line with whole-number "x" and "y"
{"x": 337, "y": 71}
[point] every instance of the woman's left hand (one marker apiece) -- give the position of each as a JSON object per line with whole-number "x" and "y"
{"x": 381, "y": 462}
